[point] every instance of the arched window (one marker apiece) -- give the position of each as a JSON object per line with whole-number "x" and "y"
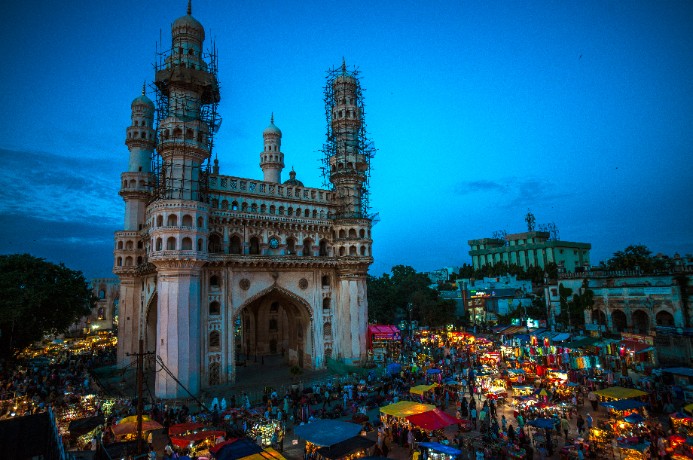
{"x": 214, "y": 281}
{"x": 363, "y": 250}
{"x": 102, "y": 294}
{"x": 323, "y": 248}
{"x": 139, "y": 245}
{"x": 177, "y": 133}
{"x": 253, "y": 207}
{"x": 187, "y": 244}
{"x": 290, "y": 211}
{"x": 119, "y": 262}
{"x": 224, "y": 204}
{"x": 200, "y": 222}
{"x": 200, "y": 244}
{"x": 120, "y": 245}
{"x": 307, "y": 213}
{"x": 215, "y": 373}
{"x": 325, "y": 280}
{"x": 315, "y": 213}
{"x": 290, "y": 246}
{"x": 263, "y": 209}
{"x": 172, "y": 220}
{"x": 281, "y": 210}
{"x": 352, "y": 233}
{"x": 189, "y": 134}
{"x": 342, "y": 233}
{"x": 214, "y": 340}
{"x": 273, "y": 209}
{"x": 235, "y": 245}
{"x": 298, "y": 212}
{"x": 159, "y": 244}
{"x": 326, "y": 303}
{"x": 244, "y": 207}
{"x": 159, "y": 221}
{"x": 352, "y": 250}
{"x": 307, "y": 247}
{"x": 215, "y": 308}
{"x": 215, "y": 243}
{"x": 342, "y": 251}
{"x": 254, "y": 245}
{"x": 129, "y": 245}
{"x": 234, "y": 206}
{"x": 187, "y": 220}
{"x": 327, "y": 330}
{"x": 171, "y": 243}
{"x": 274, "y": 307}
{"x": 362, "y": 233}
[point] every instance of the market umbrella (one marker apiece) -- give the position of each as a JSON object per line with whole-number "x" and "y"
{"x": 394, "y": 368}
{"x": 433, "y": 420}
{"x": 433, "y": 371}
{"x": 688, "y": 408}
{"x": 547, "y": 423}
{"x": 543, "y": 392}
{"x": 441, "y": 448}
{"x": 634, "y": 418}
{"x": 125, "y": 428}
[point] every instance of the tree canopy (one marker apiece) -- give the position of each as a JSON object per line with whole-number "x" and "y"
{"x": 533, "y": 273}
{"x": 38, "y": 297}
{"x": 635, "y": 257}
{"x": 390, "y": 295}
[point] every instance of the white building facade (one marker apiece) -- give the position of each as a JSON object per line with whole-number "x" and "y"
{"x": 215, "y": 268}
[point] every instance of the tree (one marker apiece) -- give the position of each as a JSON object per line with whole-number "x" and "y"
{"x": 390, "y": 295}
{"x": 581, "y": 301}
{"x": 635, "y": 257}
{"x": 38, "y": 298}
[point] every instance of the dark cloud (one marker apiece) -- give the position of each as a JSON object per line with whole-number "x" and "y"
{"x": 61, "y": 208}
{"x": 513, "y": 192}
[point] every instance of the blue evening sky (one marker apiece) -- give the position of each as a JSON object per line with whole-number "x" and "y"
{"x": 581, "y": 111}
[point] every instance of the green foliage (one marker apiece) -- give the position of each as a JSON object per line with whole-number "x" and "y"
{"x": 635, "y": 256}
{"x": 533, "y": 273}
{"x": 390, "y": 295}
{"x": 38, "y": 297}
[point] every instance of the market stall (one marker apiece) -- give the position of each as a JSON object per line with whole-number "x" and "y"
{"x": 126, "y": 429}
{"x": 432, "y": 420}
{"x": 325, "y": 433}
{"x": 437, "y": 451}
{"x": 403, "y": 409}
{"x": 349, "y": 449}
{"x": 616, "y": 393}
{"x": 264, "y": 429}
{"x": 384, "y": 342}
{"x": 423, "y": 391}
{"x": 234, "y": 449}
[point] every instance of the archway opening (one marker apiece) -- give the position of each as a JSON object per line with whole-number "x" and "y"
{"x": 641, "y": 322}
{"x": 664, "y": 318}
{"x": 598, "y": 317}
{"x": 618, "y": 319}
{"x": 276, "y": 328}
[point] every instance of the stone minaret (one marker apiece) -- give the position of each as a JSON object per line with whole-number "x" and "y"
{"x": 271, "y": 157}
{"x": 348, "y": 164}
{"x": 130, "y": 248}
{"x": 179, "y": 231}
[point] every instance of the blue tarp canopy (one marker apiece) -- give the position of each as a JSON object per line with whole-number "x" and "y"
{"x": 438, "y": 447}
{"x": 433, "y": 371}
{"x": 522, "y": 337}
{"x": 238, "y": 449}
{"x": 543, "y": 423}
{"x": 634, "y": 418}
{"x": 327, "y": 432}
{"x": 623, "y": 404}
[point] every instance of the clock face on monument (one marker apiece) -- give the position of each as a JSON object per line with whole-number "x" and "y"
{"x": 274, "y": 243}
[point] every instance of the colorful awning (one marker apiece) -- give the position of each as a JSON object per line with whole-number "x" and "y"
{"x": 620, "y": 393}
{"x": 433, "y": 420}
{"x": 406, "y": 408}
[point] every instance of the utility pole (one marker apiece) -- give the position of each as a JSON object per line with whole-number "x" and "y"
{"x": 140, "y": 405}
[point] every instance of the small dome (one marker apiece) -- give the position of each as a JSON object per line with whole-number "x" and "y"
{"x": 189, "y": 24}
{"x": 272, "y": 128}
{"x": 142, "y": 100}
{"x": 292, "y": 179}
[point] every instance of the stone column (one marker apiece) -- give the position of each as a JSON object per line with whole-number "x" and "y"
{"x": 129, "y": 320}
{"x": 178, "y": 329}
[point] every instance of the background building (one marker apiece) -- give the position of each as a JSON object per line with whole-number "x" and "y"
{"x": 216, "y": 268}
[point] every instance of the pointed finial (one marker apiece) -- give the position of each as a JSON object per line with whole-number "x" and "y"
{"x": 272, "y": 118}
{"x": 189, "y": 7}
{"x": 343, "y": 65}
{"x": 144, "y": 87}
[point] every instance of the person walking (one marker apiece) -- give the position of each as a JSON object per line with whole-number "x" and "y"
{"x": 565, "y": 426}
{"x": 580, "y": 424}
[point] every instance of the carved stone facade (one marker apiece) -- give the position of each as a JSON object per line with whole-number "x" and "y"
{"x": 216, "y": 268}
